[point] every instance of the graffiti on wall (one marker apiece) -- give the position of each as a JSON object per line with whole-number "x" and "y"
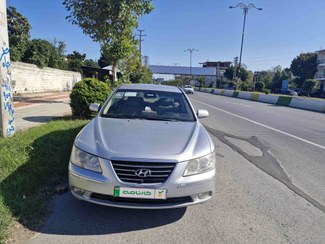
{"x": 7, "y": 97}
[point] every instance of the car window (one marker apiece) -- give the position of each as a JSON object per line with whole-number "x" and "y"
{"x": 153, "y": 105}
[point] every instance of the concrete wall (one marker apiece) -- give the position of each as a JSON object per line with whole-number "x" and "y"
{"x": 28, "y": 78}
{"x": 295, "y": 102}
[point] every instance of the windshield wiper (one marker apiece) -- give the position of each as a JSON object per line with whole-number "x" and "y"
{"x": 121, "y": 116}
{"x": 160, "y": 119}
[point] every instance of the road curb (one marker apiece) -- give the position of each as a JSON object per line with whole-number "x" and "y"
{"x": 294, "y": 102}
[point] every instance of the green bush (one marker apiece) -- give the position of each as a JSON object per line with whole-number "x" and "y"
{"x": 84, "y": 93}
{"x": 245, "y": 86}
{"x": 259, "y": 86}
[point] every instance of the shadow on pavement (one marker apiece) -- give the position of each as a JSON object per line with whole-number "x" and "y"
{"x": 73, "y": 217}
{"x": 41, "y": 119}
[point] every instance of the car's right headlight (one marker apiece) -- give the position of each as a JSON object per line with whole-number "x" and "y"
{"x": 85, "y": 160}
{"x": 200, "y": 165}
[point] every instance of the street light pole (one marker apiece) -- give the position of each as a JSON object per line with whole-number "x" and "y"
{"x": 245, "y": 8}
{"x": 191, "y": 50}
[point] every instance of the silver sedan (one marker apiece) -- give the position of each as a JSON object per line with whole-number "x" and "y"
{"x": 145, "y": 149}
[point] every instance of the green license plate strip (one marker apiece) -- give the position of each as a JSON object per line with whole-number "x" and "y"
{"x": 143, "y": 193}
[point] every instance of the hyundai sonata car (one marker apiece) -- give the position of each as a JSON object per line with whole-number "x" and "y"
{"x": 145, "y": 149}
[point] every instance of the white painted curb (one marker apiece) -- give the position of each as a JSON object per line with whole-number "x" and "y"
{"x": 296, "y": 102}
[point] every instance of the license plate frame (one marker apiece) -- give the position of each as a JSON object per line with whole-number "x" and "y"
{"x": 140, "y": 193}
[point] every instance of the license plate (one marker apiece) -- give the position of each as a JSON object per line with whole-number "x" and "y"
{"x": 128, "y": 192}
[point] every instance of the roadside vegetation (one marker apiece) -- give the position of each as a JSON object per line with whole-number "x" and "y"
{"x": 84, "y": 93}
{"x": 32, "y": 164}
{"x": 119, "y": 46}
{"x": 299, "y": 78}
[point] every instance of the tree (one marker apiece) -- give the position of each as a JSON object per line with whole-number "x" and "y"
{"x": 117, "y": 49}
{"x": 102, "y": 61}
{"x": 39, "y": 52}
{"x": 201, "y": 80}
{"x": 141, "y": 75}
{"x": 286, "y": 74}
{"x": 242, "y": 74}
{"x": 57, "y": 59}
{"x": 91, "y": 63}
{"x": 133, "y": 71}
{"x": 18, "y": 31}
{"x": 277, "y": 68}
{"x": 103, "y": 20}
{"x": 309, "y": 85}
{"x": 75, "y": 61}
{"x": 266, "y": 78}
{"x": 45, "y": 54}
{"x": 259, "y": 86}
{"x": 304, "y": 67}
{"x": 246, "y": 86}
{"x": 110, "y": 22}
{"x": 277, "y": 81}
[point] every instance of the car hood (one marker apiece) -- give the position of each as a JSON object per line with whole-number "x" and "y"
{"x": 135, "y": 139}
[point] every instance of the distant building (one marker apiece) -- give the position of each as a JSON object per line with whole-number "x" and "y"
{"x": 218, "y": 65}
{"x": 168, "y": 73}
{"x": 220, "y": 68}
{"x": 99, "y": 73}
{"x": 320, "y": 75}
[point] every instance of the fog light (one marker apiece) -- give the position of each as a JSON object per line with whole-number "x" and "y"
{"x": 204, "y": 195}
{"x": 78, "y": 191}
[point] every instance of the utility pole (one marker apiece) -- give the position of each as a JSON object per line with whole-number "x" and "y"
{"x": 245, "y": 8}
{"x": 191, "y": 50}
{"x": 7, "y": 115}
{"x": 140, "y": 43}
{"x": 235, "y": 68}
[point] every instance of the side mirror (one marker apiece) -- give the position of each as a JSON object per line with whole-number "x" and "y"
{"x": 202, "y": 113}
{"x": 95, "y": 107}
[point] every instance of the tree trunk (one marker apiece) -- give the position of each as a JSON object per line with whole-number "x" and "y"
{"x": 114, "y": 73}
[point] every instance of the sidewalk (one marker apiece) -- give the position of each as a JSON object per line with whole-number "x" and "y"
{"x": 35, "y": 109}
{"x": 29, "y": 99}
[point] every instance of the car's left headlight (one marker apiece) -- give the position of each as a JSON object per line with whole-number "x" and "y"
{"x": 85, "y": 160}
{"x": 200, "y": 165}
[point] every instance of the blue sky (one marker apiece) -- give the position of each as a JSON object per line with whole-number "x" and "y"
{"x": 273, "y": 36}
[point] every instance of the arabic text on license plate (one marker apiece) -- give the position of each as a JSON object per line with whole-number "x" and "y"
{"x": 139, "y": 193}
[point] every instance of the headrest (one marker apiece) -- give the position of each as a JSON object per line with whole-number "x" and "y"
{"x": 134, "y": 100}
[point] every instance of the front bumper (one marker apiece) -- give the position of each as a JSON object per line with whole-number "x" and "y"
{"x": 181, "y": 191}
{"x": 189, "y": 91}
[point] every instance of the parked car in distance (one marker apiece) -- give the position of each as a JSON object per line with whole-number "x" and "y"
{"x": 301, "y": 92}
{"x": 145, "y": 149}
{"x": 290, "y": 93}
{"x": 188, "y": 89}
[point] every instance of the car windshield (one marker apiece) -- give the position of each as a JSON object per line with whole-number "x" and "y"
{"x": 151, "y": 105}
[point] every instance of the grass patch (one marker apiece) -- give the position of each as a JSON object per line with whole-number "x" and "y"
{"x": 32, "y": 163}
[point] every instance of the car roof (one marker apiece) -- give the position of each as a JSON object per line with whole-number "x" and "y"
{"x": 151, "y": 87}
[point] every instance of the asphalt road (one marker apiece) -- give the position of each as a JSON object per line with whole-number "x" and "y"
{"x": 270, "y": 186}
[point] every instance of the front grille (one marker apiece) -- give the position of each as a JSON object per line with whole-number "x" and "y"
{"x": 173, "y": 200}
{"x": 126, "y": 171}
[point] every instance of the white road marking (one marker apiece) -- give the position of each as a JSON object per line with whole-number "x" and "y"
{"x": 265, "y": 126}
